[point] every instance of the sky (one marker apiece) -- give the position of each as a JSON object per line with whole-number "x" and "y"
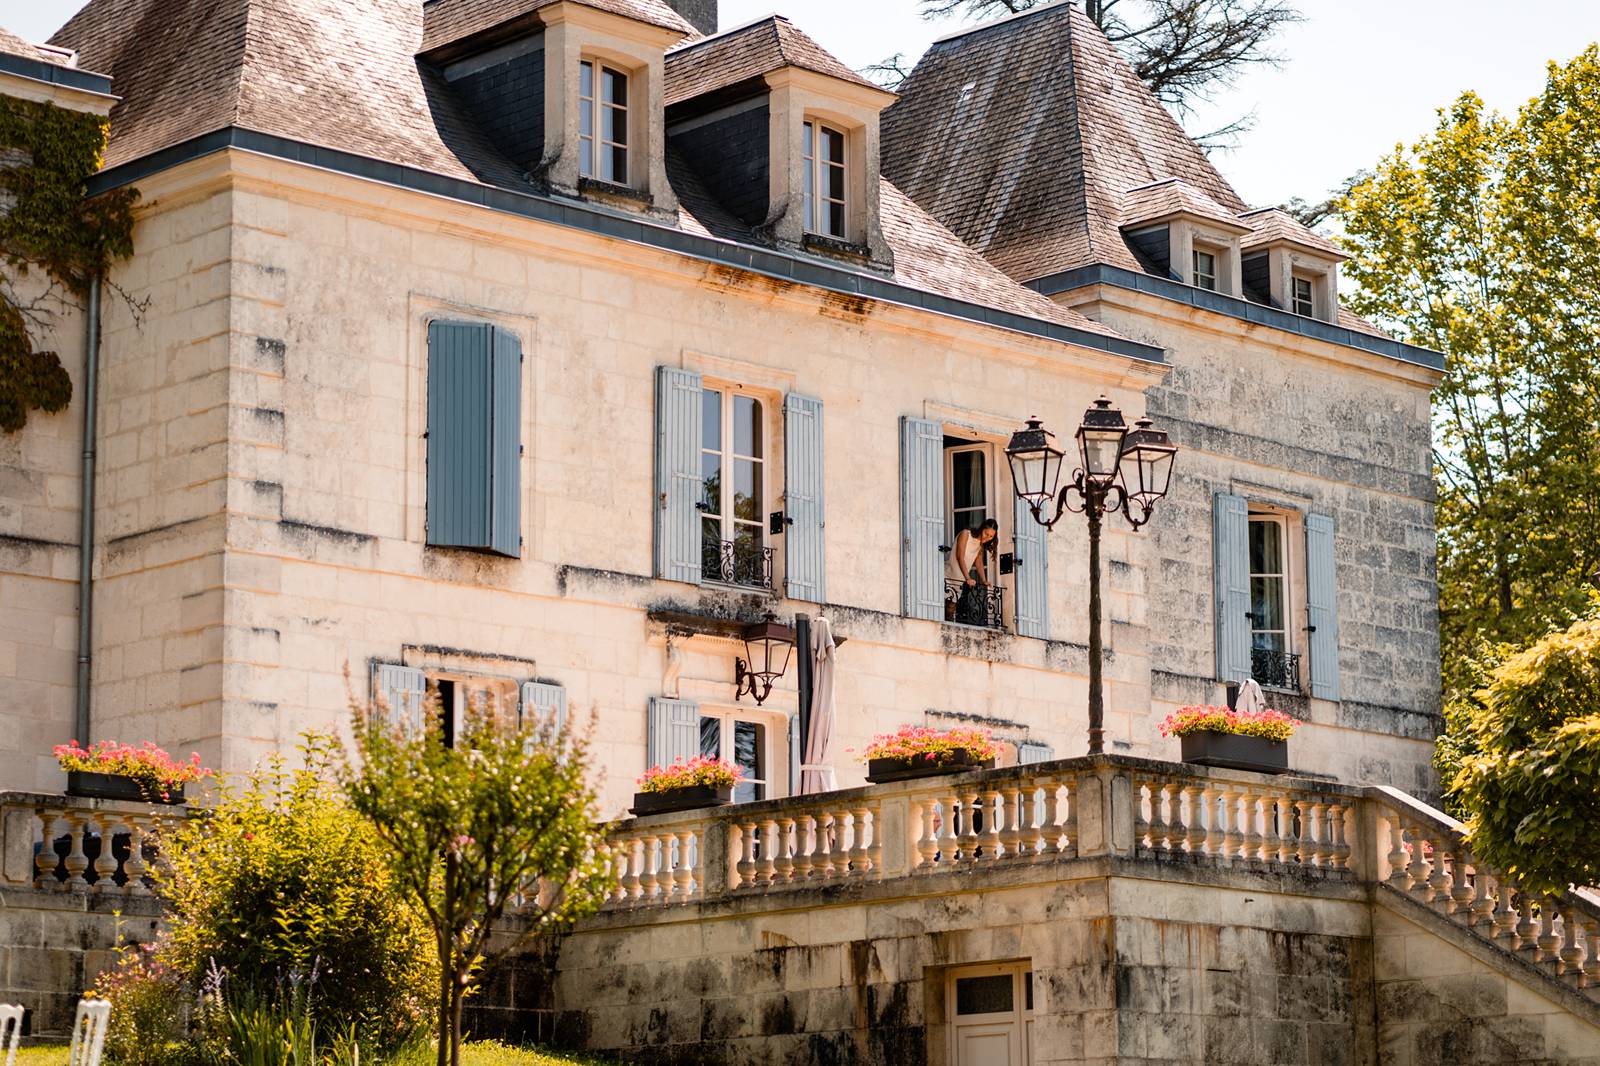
{"x": 1358, "y": 77}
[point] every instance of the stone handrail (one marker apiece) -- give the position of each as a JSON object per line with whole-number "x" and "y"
{"x": 1114, "y": 806}
{"x": 66, "y": 843}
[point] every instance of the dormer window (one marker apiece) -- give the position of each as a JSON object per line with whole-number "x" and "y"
{"x": 602, "y": 122}
{"x": 1205, "y": 270}
{"x": 1304, "y": 300}
{"x": 826, "y": 179}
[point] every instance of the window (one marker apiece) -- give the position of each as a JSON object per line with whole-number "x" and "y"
{"x": 1205, "y": 270}
{"x": 733, "y": 485}
{"x": 602, "y": 144}
{"x": 474, "y": 437}
{"x": 969, "y": 502}
{"x": 1302, "y": 296}
{"x": 825, "y": 174}
{"x": 459, "y": 693}
{"x": 744, "y": 743}
{"x": 1272, "y": 661}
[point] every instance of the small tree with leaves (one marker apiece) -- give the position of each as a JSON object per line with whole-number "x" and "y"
{"x": 503, "y": 823}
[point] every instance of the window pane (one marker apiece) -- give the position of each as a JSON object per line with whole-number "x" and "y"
{"x": 1266, "y": 602}
{"x": 985, "y": 995}
{"x": 746, "y": 550}
{"x": 836, "y": 220}
{"x": 1273, "y": 642}
{"x": 711, "y": 737}
{"x": 1027, "y": 984}
{"x": 967, "y": 490}
{"x": 748, "y": 752}
{"x": 585, "y": 157}
{"x": 711, "y": 483}
{"x": 711, "y": 419}
{"x": 1266, "y": 548}
{"x": 836, "y": 183}
{"x": 832, "y": 145}
{"x": 747, "y": 490}
{"x": 809, "y": 139}
{"x": 618, "y": 169}
{"x": 616, "y": 87}
{"x": 746, "y": 426}
{"x": 586, "y": 79}
{"x": 586, "y": 118}
{"x": 711, "y": 549}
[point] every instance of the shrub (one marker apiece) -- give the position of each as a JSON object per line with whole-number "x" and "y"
{"x": 281, "y": 878}
{"x": 1528, "y": 782}
{"x": 148, "y": 1009}
{"x": 702, "y": 770}
{"x": 911, "y": 743}
{"x": 1268, "y": 724}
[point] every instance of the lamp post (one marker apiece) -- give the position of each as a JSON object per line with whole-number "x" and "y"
{"x": 1119, "y": 470}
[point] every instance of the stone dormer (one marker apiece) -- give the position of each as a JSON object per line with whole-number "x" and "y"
{"x": 1180, "y": 232}
{"x": 570, "y": 90}
{"x": 1289, "y": 266}
{"x": 785, "y": 135}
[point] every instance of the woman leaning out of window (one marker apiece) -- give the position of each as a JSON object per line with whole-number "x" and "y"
{"x": 968, "y": 563}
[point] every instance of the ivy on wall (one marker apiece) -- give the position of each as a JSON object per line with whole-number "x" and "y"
{"x": 48, "y": 224}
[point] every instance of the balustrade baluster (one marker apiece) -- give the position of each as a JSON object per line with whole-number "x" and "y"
{"x": 927, "y": 842}
{"x": 683, "y": 875}
{"x": 949, "y": 842}
{"x": 1010, "y": 827}
{"x": 1591, "y": 961}
{"x": 784, "y": 871}
{"x": 1232, "y": 835}
{"x": 970, "y": 815}
{"x": 1050, "y": 840}
{"x": 647, "y": 869}
{"x": 1271, "y": 828}
{"x": 1549, "y": 940}
{"x": 1398, "y": 855}
{"x": 1461, "y": 893}
{"x": 1571, "y": 955}
{"x": 1160, "y": 792}
{"x": 1195, "y": 837}
{"x": 766, "y": 855}
{"x": 805, "y": 839}
{"x": 133, "y": 867}
{"x": 1141, "y": 824}
{"x": 1480, "y": 912}
{"x": 76, "y": 862}
{"x": 1418, "y": 869}
{"x": 875, "y": 849}
{"x": 1215, "y": 833}
{"x": 1029, "y": 832}
{"x": 747, "y": 855}
{"x": 1527, "y": 927}
{"x": 1069, "y": 824}
{"x": 858, "y": 840}
{"x": 1287, "y": 839}
{"x": 628, "y": 881}
{"x": 1438, "y": 879}
{"x": 45, "y": 861}
{"x": 1255, "y": 831}
{"x": 1505, "y": 913}
{"x": 1340, "y": 836}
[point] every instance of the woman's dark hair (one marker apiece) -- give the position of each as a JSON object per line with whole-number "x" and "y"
{"x": 988, "y": 523}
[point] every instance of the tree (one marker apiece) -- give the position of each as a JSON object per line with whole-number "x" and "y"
{"x": 1482, "y": 242}
{"x": 503, "y": 822}
{"x": 1527, "y": 782}
{"x": 47, "y": 222}
{"x": 1184, "y": 50}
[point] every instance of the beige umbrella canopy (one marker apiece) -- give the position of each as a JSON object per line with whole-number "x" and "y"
{"x": 816, "y": 770}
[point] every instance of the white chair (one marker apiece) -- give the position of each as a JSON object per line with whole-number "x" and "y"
{"x": 10, "y": 1030}
{"x": 89, "y": 1032}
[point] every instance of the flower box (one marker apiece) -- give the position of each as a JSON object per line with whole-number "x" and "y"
{"x": 881, "y": 771}
{"x": 685, "y": 798}
{"x": 1233, "y": 751}
{"x": 121, "y": 787}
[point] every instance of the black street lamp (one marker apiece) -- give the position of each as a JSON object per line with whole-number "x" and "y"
{"x": 1119, "y": 470}
{"x": 767, "y": 645}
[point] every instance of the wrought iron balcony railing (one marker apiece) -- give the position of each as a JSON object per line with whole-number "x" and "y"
{"x": 736, "y": 563}
{"x": 1275, "y": 669}
{"x": 974, "y": 605}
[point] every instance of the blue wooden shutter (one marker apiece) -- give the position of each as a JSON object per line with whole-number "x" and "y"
{"x": 804, "y": 572}
{"x": 921, "y": 518}
{"x": 673, "y": 731}
{"x": 403, "y": 691}
{"x": 1322, "y": 599}
{"x": 1030, "y": 751}
{"x": 505, "y": 472}
{"x": 677, "y": 474}
{"x": 1032, "y": 578}
{"x": 544, "y": 706}
{"x": 474, "y": 437}
{"x": 1231, "y": 546}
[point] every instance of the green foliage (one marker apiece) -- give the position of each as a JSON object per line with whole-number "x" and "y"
{"x": 505, "y": 819}
{"x": 1483, "y": 241}
{"x": 148, "y": 1010}
{"x": 1527, "y": 779}
{"x": 282, "y": 880}
{"x": 48, "y": 223}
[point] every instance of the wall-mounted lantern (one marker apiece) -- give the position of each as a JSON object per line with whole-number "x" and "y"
{"x": 767, "y": 647}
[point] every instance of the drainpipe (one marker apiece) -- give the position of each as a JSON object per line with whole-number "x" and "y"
{"x": 91, "y": 366}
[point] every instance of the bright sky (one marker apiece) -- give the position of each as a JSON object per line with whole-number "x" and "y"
{"x": 1360, "y": 75}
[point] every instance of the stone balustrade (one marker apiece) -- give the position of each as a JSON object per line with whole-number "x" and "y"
{"x": 68, "y": 844}
{"x": 1116, "y": 807}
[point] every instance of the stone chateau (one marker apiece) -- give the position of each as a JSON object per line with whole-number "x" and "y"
{"x": 526, "y": 351}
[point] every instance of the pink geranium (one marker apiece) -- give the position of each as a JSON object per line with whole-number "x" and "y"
{"x": 701, "y": 770}
{"x": 1268, "y": 724}
{"x": 910, "y": 743}
{"x": 148, "y": 765}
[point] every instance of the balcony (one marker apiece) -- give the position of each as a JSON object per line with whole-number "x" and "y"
{"x": 976, "y": 605}
{"x": 741, "y": 563}
{"x": 1275, "y": 669}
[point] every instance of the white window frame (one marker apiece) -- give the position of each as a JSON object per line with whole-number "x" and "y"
{"x": 1020, "y": 1017}
{"x": 991, "y": 504}
{"x": 504, "y": 693}
{"x": 594, "y": 151}
{"x": 765, "y": 462}
{"x": 774, "y": 755}
{"x": 1196, "y": 273}
{"x": 1290, "y": 531}
{"x": 815, "y": 203}
{"x": 1310, "y": 302}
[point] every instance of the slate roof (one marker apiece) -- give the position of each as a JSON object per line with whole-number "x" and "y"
{"x": 13, "y": 45}
{"x": 1170, "y": 197}
{"x": 1022, "y": 136}
{"x": 448, "y": 21}
{"x": 744, "y": 54}
{"x": 344, "y": 75}
{"x": 1272, "y": 224}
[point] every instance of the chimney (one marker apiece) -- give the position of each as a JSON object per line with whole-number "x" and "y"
{"x": 702, "y": 14}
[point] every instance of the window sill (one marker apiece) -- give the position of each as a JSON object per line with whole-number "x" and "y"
{"x": 836, "y": 248}
{"x": 611, "y": 193}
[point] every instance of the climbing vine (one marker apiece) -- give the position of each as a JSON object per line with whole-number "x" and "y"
{"x": 50, "y": 225}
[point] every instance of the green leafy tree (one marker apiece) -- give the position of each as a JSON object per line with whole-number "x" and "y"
{"x": 1482, "y": 241}
{"x": 503, "y": 823}
{"x": 48, "y": 224}
{"x": 283, "y": 879}
{"x": 1527, "y": 773}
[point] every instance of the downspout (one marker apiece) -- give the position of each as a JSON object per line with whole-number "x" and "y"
{"x": 91, "y": 367}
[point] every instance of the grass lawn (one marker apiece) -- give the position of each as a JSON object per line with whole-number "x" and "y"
{"x": 486, "y": 1053}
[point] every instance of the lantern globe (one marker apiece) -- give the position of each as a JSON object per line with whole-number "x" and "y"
{"x": 1035, "y": 462}
{"x": 1147, "y": 460}
{"x": 1100, "y": 439}
{"x": 768, "y": 645}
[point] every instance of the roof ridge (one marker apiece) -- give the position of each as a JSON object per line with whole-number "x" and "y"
{"x": 686, "y": 45}
{"x": 1003, "y": 20}
{"x": 1075, "y": 125}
